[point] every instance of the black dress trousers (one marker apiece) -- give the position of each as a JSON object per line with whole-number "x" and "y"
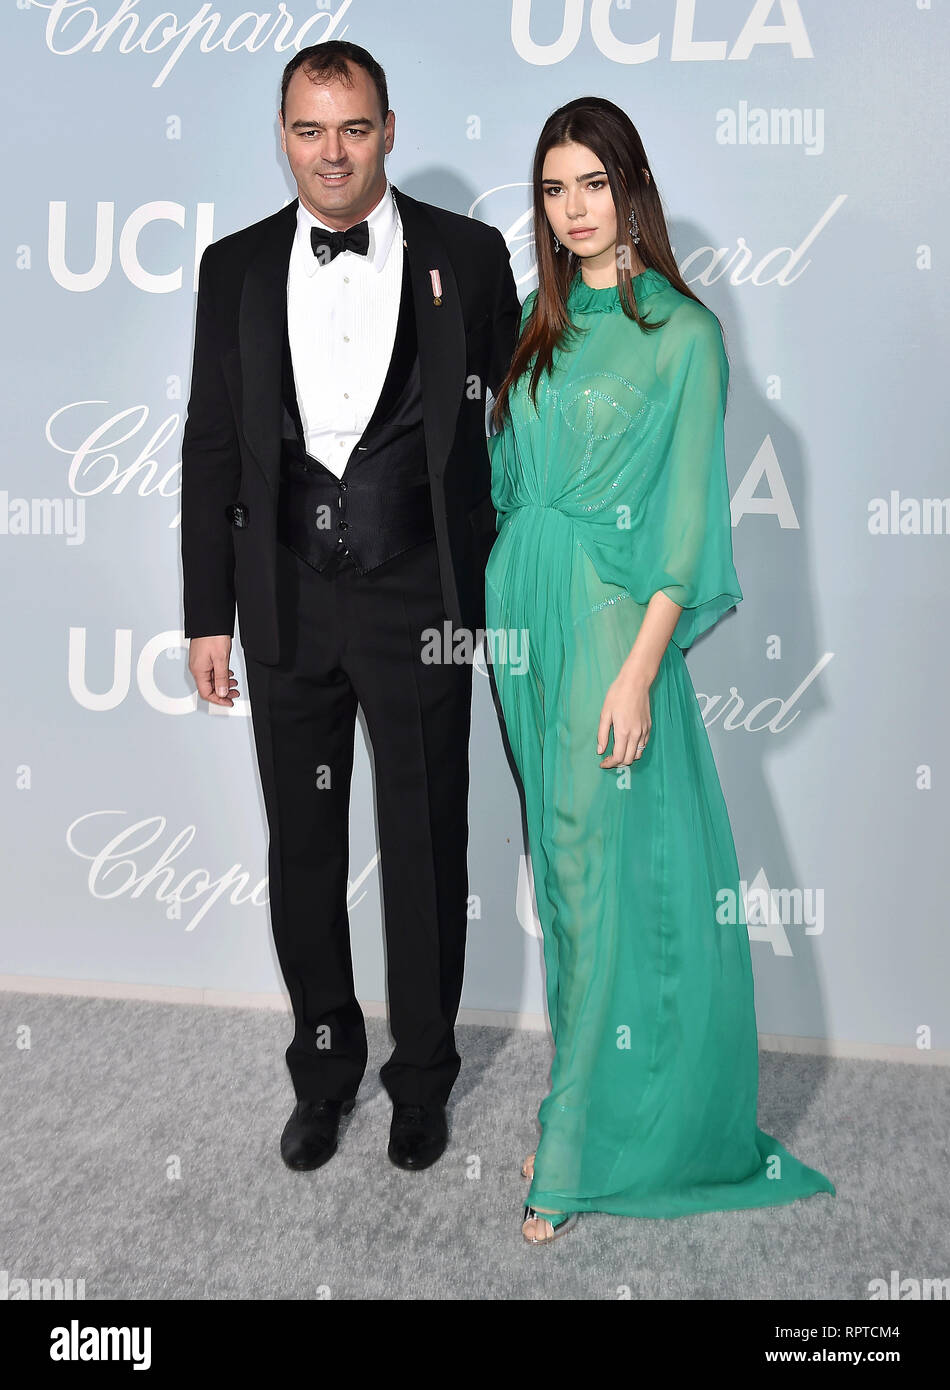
{"x": 349, "y": 639}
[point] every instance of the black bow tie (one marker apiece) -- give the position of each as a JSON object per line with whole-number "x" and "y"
{"x": 353, "y": 239}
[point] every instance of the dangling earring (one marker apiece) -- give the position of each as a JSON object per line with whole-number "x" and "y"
{"x": 634, "y": 229}
{"x": 557, "y": 245}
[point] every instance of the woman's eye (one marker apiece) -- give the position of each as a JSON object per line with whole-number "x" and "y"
{"x": 552, "y": 190}
{"x": 596, "y": 183}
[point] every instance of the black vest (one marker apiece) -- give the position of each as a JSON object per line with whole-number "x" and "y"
{"x": 382, "y": 505}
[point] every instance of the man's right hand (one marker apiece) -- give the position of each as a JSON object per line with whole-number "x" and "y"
{"x": 208, "y": 663}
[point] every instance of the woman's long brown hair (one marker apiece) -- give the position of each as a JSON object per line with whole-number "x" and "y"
{"x": 610, "y": 133}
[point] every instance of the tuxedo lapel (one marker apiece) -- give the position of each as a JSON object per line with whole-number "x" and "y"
{"x": 440, "y": 329}
{"x": 401, "y": 360}
{"x": 262, "y": 325}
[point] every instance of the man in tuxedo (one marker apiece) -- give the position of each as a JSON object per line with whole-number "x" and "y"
{"x": 336, "y": 489}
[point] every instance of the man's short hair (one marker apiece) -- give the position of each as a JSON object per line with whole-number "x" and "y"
{"x": 331, "y": 59}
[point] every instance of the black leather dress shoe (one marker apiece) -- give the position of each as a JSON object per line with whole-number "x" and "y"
{"x": 418, "y": 1135}
{"x": 310, "y": 1135}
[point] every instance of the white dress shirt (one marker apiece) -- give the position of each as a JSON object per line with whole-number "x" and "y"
{"x": 341, "y": 323}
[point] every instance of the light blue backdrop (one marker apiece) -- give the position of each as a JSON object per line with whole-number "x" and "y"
{"x": 799, "y": 149}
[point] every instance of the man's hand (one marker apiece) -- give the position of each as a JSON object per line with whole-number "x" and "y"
{"x": 208, "y": 663}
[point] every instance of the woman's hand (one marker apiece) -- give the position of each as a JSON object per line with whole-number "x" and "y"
{"x": 627, "y": 710}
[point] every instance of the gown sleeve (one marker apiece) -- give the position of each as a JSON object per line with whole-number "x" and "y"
{"x": 688, "y": 531}
{"x": 501, "y": 446}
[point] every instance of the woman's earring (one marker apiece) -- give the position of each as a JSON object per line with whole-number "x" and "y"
{"x": 634, "y": 229}
{"x": 557, "y": 245}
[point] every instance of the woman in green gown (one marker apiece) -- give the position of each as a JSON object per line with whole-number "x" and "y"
{"x": 614, "y": 552}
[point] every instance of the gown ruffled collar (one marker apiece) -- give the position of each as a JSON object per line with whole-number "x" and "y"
{"x": 583, "y": 299}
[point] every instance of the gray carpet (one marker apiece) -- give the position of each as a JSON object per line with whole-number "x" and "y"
{"x": 111, "y": 1093}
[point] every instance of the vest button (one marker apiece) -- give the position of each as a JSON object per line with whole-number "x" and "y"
{"x": 342, "y": 526}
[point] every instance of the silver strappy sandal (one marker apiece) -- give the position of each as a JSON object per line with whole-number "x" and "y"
{"x": 559, "y": 1221}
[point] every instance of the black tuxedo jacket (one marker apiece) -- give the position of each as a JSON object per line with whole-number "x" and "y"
{"x": 231, "y": 444}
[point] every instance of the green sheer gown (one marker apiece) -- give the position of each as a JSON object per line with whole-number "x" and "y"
{"x": 613, "y": 488}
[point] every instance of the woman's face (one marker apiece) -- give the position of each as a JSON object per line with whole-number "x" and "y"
{"x": 578, "y": 202}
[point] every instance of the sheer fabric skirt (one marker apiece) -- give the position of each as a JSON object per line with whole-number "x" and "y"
{"x": 654, "y": 1081}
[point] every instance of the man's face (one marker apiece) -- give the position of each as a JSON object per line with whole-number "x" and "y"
{"x": 336, "y": 140}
